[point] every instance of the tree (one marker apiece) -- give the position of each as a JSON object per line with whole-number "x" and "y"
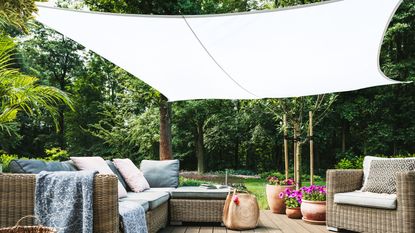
{"x": 16, "y": 13}
{"x": 57, "y": 60}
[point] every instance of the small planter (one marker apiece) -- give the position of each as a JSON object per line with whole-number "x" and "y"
{"x": 276, "y": 204}
{"x": 294, "y": 213}
{"x": 314, "y": 211}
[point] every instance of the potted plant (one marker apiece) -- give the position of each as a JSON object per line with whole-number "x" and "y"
{"x": 274, "y": 187}
{"x": 292, "y": 200}
{"x": 313, "y": 206}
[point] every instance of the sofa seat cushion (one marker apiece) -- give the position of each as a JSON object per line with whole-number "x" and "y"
{"x": 194, "y": 192}
{"x": 143, "y": 203}
{"x": 166, "y": 190}
{"x": 154, "y": 199}
{"x": 367, "y": 199}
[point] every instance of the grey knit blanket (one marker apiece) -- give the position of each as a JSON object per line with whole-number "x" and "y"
{"x": 64, "y": 200}
{"x": 133, "y": 217}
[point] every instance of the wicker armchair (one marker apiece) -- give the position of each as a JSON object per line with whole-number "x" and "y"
{"x": 364, "y": 219}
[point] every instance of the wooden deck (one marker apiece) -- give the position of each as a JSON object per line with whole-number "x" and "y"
{"x": 268, "y": 223}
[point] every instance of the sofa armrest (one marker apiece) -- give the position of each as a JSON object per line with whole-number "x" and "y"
{"x": 340, "y": 181}
{"x": 106, "y": 217}
{"x": 405, "y": 191}
{"x": 17, "y": 198}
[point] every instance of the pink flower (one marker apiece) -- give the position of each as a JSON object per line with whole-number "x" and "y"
{"x": 235, "y": 199}
{"x": 281, "y": 195}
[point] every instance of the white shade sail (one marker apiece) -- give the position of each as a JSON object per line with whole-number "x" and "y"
{"x": 316, "y": 49}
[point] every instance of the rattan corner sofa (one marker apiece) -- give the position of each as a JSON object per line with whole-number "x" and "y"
{"x": 162, "y": 205}
{"x": 366, "y": 219}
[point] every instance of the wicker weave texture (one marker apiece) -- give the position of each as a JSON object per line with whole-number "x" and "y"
{"x": 17, "y": 200}
{"x": 363, "y": 219}
{"x": 193, "y": 210}
{"x": 157, "y": 218}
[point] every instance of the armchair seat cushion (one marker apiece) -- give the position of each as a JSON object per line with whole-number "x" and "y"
{"x": 366, "y": 199}
{"x": 154, "y": 199}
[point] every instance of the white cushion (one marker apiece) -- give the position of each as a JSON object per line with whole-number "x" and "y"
{"x": 366, "y": 199}
{"x": 366, "y": 166}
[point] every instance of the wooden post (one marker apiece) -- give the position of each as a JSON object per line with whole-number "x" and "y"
{"x": 285, "y": 146}
{"x": 310, "y": 115}
{"x": 295, "y": 154}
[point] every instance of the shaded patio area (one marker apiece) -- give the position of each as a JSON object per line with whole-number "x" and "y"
{"x": 269, "y": 222}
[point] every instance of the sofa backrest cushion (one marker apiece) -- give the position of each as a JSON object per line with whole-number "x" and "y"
{"x": 161, "y": 173}
{"x": 34, "y": 166}
{"x": 118, "y": 174}
{"x": 97, "y": 164}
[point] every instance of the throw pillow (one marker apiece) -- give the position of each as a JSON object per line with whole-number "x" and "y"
{"x": 132, "y": 175}
{"x": 366, "y": 166}
{"x": 382, "y": 175}
{"x": 97, "y": 164}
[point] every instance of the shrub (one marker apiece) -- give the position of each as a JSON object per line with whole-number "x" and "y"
{"x": 5, "y": 160}
{"x": 356, "y": 162}
{"x": 191, "y": 182}
{"x": 56, "y": 154}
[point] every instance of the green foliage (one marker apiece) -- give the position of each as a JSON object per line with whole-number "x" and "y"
{"x": 5, "y": 160}
{"x": 191, "y": 182}
{"x": 22, "y": 93}
{"x": 235, "y": 172}
{"x": 16, "y": 13}
{"x": 356, "y": 162}
{"x": 56, "y": 154}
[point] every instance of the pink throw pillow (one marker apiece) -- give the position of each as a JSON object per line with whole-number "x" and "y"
{"x": 97, "y": 164}
{"x": 132, "y": 175}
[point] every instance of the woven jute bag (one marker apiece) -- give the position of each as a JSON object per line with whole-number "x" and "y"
{"x": 28, "y": 229}
{"x": 241, "y": 213}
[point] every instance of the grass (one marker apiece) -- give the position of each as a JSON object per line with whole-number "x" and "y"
{"x": 256, "y": 186}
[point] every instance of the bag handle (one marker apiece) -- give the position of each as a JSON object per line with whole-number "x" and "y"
{"x": 26, "y": 217}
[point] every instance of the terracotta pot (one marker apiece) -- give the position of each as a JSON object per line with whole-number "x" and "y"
{"x": 276, "y": 204}
{"x": 293, "y": 212}
{"x": 314, "y": 210}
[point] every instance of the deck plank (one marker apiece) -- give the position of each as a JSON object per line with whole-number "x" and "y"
{"x": 268, "y": 223}
{"x": 179, "y": 229}
{"x": 219, "y": 230}
{"x": 206, "y": 230}
{"x": 192, "y": 229}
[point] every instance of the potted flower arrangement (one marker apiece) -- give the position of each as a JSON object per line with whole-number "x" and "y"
{"x": 313, "y": 206}
{"x": 274, "y": 187}
{"x": 292, "y": 200}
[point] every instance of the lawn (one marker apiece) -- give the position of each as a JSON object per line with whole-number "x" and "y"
{"x": 253, "y": 184}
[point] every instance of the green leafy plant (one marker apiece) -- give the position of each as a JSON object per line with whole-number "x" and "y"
{"x": 5, "y": 160}
{"x": 56, "y": 154}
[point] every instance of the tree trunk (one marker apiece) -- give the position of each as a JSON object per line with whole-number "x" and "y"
{"x": 199, "y": 149}
{"x": 343, "y": 137}
{"x": 165, "y": 129}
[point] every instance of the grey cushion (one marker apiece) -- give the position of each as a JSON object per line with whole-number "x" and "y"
{"x": 382, "y": 175}
{"x": 33, "y": 166}
{"x": 190, "y": 192}
{"x": 154, "y": 199}
{"x": 367, "y": 199}
{"x": 167, "y": 190}
{"x": 118, "y": 174}
{"x": 161, "y": 173}
{"x": 143, "y": 203}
